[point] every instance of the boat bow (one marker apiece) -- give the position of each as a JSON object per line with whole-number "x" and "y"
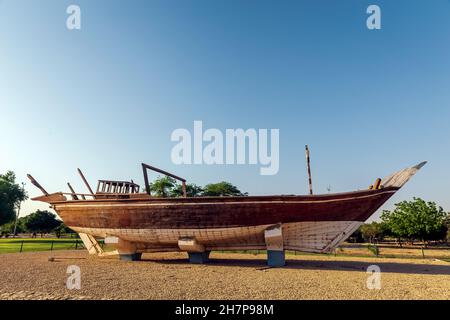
{"x": 400, "y": 178}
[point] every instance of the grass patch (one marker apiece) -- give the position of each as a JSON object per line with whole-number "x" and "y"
{"x": 38, "y": 244}
{"x": 367, "y": 251}
{"x": 13, "y": 245}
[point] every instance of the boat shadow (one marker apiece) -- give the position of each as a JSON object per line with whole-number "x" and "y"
{"x": 358, "y": 266}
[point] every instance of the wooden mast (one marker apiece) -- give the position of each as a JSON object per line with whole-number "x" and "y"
{"x": 308, "y": 164}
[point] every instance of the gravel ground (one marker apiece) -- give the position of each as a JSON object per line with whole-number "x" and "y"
{"x": 227, "y": 276}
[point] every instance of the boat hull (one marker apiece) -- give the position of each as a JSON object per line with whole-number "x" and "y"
{"x": 308, "y": 223}
{"x": 308, "y": 236}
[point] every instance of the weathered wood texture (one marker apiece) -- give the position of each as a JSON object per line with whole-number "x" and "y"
{"x": 221, "y": 211}
{"x": 300, "y": 236}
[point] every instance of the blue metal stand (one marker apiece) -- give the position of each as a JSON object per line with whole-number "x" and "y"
{"x": 131, "y": 257}
{"x": 199, "y": 257}
{"x": 275, "y": 258}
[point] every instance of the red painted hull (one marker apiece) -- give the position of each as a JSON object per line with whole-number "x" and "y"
{"x": 220, "y": 212}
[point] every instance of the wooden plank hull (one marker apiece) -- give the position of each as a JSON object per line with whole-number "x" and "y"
{"x": 306, "y": 236}
{"x": 210, "y": 212}
{"x": 309, "y": 223}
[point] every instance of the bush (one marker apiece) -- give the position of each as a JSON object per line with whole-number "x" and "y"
{"x": 356, "y": 237}
{"x": 373, "y": 232}
{"x": 374, "y": 249}
{"x": 62, "y": 229}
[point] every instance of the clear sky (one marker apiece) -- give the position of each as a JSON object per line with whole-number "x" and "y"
{"x": 107, "y": 97}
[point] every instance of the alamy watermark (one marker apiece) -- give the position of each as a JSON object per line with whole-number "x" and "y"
{"x": 374, "y": 279}
{"x": 235, "y": 146}
{"x": 73, "y": 21}
{"x": 74, "y": 279}
{"x": 373, "y": 22}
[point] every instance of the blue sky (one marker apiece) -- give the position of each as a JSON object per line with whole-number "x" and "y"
{"x": 107, "y": 97}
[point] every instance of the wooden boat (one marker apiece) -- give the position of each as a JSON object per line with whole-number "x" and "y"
{"x": 137, "y": 222}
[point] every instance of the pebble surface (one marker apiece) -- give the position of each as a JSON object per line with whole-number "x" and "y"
{"x": 37, "y": 276}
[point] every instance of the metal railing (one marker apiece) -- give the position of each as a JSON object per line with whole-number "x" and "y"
{"x": 30, "y": 245}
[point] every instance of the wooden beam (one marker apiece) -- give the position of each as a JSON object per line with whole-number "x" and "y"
{"x": 74, "y": 196}
{"x": 37, "y": 185}
{"x": 147, "y": 185}
{"x": 184, "y": 189}
{"x": 308, "y": 163}
{"x": 85, "y": 181}
{"x": 146, "y": 166}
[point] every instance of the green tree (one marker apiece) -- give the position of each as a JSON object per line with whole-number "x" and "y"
{"x": 62, "y": 229}
{"x": 8, "y": 228}
{"x": 222, "y": 189}
{"x": 373, "y": 232}
{"x": 356, "y": 236}
{"x": 168, "y": 187}
{"x": 41, "y": 221}
{"x": 447, "y": 226}
{"x": 415, "y": 219}
{"x": 162, "y": 186}
{"x": 11, "y": 194}
{"x": 192, "y": 190}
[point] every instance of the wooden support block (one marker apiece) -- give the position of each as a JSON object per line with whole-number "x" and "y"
{"x": 190, "y": 245}
{"x": 111, "y": 240}
{"x": 124, "y": 247}
{"x": 274, "y": 243}
{"x": 274, "y": 238}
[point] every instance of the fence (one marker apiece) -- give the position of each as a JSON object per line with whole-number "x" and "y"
{"x": 29, "y": 245}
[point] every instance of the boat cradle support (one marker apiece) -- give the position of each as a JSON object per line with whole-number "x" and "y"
{"x": 199, "y": 257}
{"x": 130, "y": 256}
{"x": 274, "y": 242}
{"x": 126, "y": 250}
{"x": 91, "y": 244}
{"x": 196, "y": 251}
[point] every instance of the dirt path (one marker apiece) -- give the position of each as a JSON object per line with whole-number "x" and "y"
{"x": 227, "y": 276}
